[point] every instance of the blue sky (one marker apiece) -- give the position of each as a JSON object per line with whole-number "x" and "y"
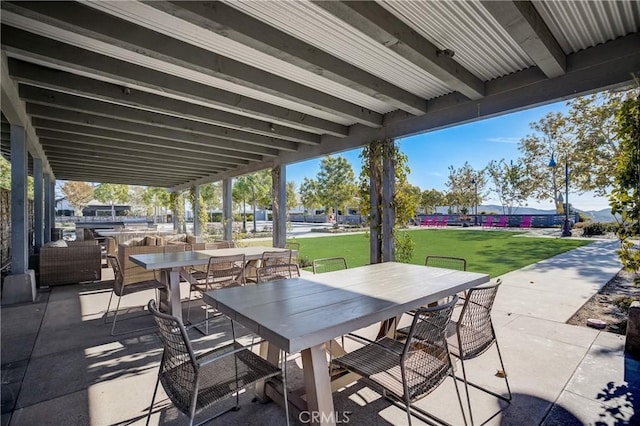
{"x": 431, "y": 154}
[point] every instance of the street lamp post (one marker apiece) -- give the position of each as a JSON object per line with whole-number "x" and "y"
{"x": 475, "y": 216}
{"x": 566, "y": 232}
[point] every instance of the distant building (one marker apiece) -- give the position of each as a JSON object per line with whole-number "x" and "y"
{"x": 95, "y": 208}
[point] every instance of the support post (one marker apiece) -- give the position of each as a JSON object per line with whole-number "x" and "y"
{"x": 375, "y": 180}
{"x": 20, "y": 286}
{"x": 278, "y": 178}
{"x": 227, "y": 214}
{"x": 196, "y": 211}
{"x": 48, "y": 202}
{"x": 38, "y": 203}
{"x": 52, "y": 207}
{"x": 19, "y": 203}
{"x": 388, "y": 207}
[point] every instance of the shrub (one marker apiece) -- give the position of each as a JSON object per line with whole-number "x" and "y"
{"x": 304, "y": 261}
{"x": 404, "y": 248}
{"x": 590, "y": 229}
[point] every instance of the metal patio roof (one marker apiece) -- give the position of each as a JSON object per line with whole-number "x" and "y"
{"x": 180, "y": 93}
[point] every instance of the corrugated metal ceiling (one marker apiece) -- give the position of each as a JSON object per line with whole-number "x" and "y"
{"x": 109, "y": 92}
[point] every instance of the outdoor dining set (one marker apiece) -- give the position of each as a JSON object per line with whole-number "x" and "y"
{"x": 289, "y": 312}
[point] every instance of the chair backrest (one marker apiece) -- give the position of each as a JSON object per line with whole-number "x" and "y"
{"x": 221, "y": 244}
{"x": 118, "y": 277}
{"x": 329, "y": 264}
{"x": 446, "y": 262}
{"x": 277, "y": 272}
{"x": 425, "y": 358}
{"x": 474, "y": 326}
{"x": 293, "y": 246}
{"x": 276, "y": 257}
{"x": 526, "y": 222}
{"x": 178, "y": 370}
{"x": 225, "y": 271}
{"x": 488, "y": 222}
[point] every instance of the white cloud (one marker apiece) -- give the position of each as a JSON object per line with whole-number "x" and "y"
{"x": 505, "y": 139}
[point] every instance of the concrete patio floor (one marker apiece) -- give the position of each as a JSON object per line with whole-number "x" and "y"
{"x": 60, "y": 366}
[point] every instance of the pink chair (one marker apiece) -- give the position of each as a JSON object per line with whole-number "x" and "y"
{"x": 526, "y": 222}
{"x": 503, "y": 222}
{"x": 443, "y": 221}
{"x": 488, "y": 222}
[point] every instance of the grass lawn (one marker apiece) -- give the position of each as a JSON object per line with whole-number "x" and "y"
{"x": 494, "y": 253}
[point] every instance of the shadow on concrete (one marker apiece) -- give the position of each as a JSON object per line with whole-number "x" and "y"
{"x": 620, "y": 399}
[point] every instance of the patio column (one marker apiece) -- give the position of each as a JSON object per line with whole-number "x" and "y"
{"x": 196, "y": 211}
{"x": 38, "y": 203}
{"x": 19, "y": 203}
{"x": 388, "y": 209}
{"x": 20, "y": 286}
{"x": 52, "y": 207}
{"x": 48, "y": 202}
{"x": 279, "y": 180}
{"x": 227, "y": 214}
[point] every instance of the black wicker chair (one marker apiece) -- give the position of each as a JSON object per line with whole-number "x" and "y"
{"x": 412, "y": 369}
{"x": 446, "y": 262}
{"x": 121, "y": 290}
{"x": 277, "y": 272}
{"x": 474, "y": 335}
{"x": 194, "y": 383}
{"x": 222, "y": 271}
{"x": 329, "y": 264}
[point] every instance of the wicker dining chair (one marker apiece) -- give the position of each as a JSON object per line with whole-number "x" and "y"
{"x": 474, "y": 335}
{"x": 409, "y": 370}
{"x": 121, "y": 290}
{"x": 222, "y": 271}
{"x": 275, "y": 258}
{"x": 277, "y": 272}
{"x": 447, "y": 262}
{"x": 194, "y": 383}
{"x": 293, "y": 246}
{"x": 329, "y": 264}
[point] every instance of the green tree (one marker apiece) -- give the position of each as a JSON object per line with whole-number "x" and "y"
{"x": 407, "y": 201}
{"x": 309, "y": 194}
{"x": 461, "y": 194}
{"x": 552, "y": 138}
{"x": 511, "y": 183}
{"x": 625, "y": 197}
{"x": 5, "y": 177}
{"x": 591, "y": 120}
{"x": 241, "y": 194}
{"x": 136, "y": 201}
{"x": 78, "y": 194}
{"x": 211, "y": 195}
{"x": 5, "y": 173}
{"x": 336, "y": 187}
{"x": 255, "y": 187}
{"x": 110, "y": 193}
{"x": 430, "y": 199}
{"x": 155, "y": 199}
{"x": 292, "y": 199}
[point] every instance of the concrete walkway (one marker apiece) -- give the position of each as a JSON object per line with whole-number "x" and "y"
{"x": 60, "y": 366}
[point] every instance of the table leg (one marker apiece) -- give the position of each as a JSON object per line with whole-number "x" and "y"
{"x": 318, "y": 386}
{"x": 272, "y": 354}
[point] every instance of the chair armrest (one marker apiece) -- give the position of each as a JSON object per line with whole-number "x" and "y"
{"x": 215, "y": 355}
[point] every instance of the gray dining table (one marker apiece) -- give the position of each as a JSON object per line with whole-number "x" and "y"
{"x": 301, "y": 314}
{"x": 172, "y": 264}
